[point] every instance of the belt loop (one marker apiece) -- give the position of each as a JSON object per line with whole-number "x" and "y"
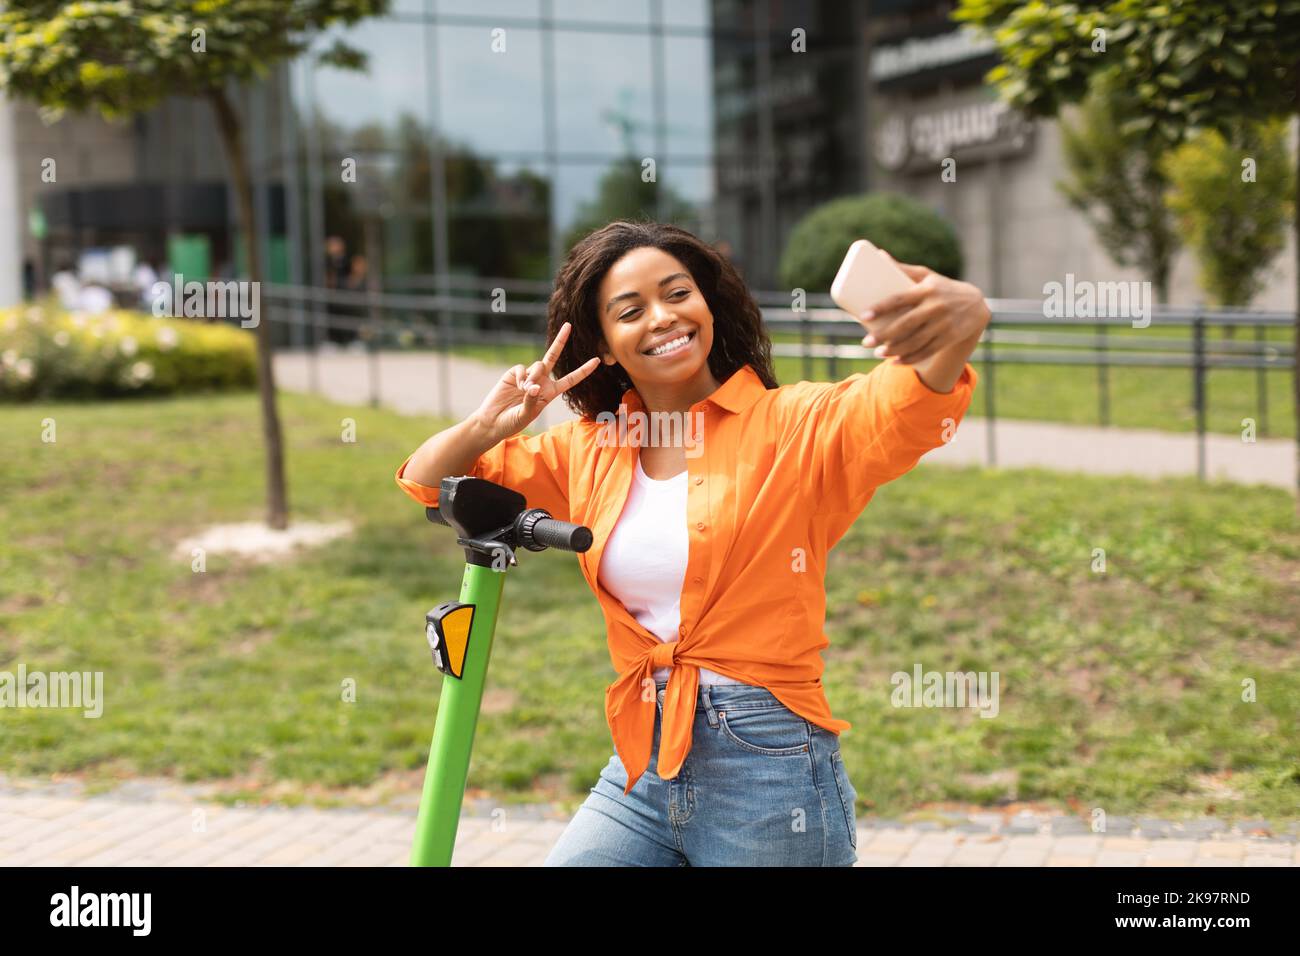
{"x": 706, "y": 696}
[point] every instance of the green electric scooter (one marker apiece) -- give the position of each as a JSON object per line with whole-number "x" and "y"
{"x": 490, "y": 522}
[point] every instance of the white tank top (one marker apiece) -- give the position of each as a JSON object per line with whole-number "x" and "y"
{"x": 644, "y": 561}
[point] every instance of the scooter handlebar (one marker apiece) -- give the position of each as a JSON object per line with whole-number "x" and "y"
{"x": 551, "y": 533}
{"x": 539, "y": 530}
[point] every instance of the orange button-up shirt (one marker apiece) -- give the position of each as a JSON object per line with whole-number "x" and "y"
{"x": 776, "y": 479}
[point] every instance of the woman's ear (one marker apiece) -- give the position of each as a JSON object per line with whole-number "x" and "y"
{"x": 606, "y": 356}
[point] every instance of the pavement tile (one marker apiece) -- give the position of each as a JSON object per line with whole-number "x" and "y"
{"x": 1086, "y": 845}
{"x": 1221, "y": 849}
{"x": 53, "y": 824}
{"x": 1121, "y": 844}
{"x": 1172, "y": 850}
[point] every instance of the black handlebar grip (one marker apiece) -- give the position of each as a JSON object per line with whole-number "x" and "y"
{"x": 561, "y": 534}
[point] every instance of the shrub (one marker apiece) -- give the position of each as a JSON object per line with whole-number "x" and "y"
{"x": 908, "y": 230}
{"x": 46, "y": 353}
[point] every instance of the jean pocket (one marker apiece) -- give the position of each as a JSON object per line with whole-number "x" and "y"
{"x": 774, "y": 731}
{"x": 848, "y": 796}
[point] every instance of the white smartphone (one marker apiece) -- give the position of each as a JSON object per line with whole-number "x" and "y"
{"x": 866, "y": 276}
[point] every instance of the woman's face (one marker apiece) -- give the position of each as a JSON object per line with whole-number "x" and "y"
{"x": 648, "y": 300}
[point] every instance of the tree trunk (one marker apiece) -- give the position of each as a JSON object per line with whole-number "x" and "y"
{"x": 1162, "y": 282}
{"x": 233, "y": 139}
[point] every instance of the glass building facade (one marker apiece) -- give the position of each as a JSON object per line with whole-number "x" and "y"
{"x": 484, "y": 137}
{"x": 488, "y": 136}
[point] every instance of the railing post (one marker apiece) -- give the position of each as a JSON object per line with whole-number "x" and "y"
{"x": 1261, "y": 384}
{"x": 830, "y": 341}
{"x": 444, "y": 359}
{"x": 372, "y": 367}
{"x": 313, "y": 350}
{"x": 805, "y": 340}
{"x": 372, "y": 346}
{"x": 1198, "y": 389}
{"x": 1103, "y": 376}
{"x": 990, "y": 412}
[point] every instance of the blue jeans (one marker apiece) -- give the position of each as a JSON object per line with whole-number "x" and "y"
{"x": 761, "y": 786}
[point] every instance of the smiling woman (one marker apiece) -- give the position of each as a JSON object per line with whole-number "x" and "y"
{"x": 709, "y": 565}
{"x": 629, "y": 290}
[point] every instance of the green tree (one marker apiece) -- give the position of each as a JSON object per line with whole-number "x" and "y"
{"x": 1189, "y": 65}
{"x": 908, "y": 230}
{"x": 1117, "y": 181}
{"x": 623, "y": 194}
{"x": 122, "y": 57}
{"x": 1235, "y": 226}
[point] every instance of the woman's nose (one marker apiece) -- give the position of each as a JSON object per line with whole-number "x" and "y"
{"x": 661, "y": 315}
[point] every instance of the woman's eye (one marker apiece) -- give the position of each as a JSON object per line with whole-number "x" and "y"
{"x": 677, "y": 294}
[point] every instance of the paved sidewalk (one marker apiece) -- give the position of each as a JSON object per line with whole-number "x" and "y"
{"x": 415, "y": 383}
{"x": 161, "y": 824}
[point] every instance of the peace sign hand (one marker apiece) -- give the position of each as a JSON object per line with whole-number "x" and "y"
{"x": 519, "y": 397}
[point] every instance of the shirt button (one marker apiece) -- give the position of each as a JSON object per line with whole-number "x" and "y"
{"x": 699, "y": 525}
{"x": 699, "y": 480}
{"x": 682, "y": 630}
{"x": 698, "y": 580}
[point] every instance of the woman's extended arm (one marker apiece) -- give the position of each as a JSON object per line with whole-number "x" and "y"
{"x": 942, "y": 369}
{"x": 934, "y": 326}
{"x": 452, "y": 451}
{"x": 514, "y": 402}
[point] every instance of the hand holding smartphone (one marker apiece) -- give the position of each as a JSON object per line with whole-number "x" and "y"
{"x": 866, "y": 276}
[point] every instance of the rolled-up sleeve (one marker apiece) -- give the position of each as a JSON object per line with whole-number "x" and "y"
{"x": 536, "y": 466}
{"x": 855, "y": 435}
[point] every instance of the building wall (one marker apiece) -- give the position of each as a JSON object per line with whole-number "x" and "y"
{"x": 85, "y": 149}
{"x": 13, "y": 222}
{"x": 172, "y": 146}
{"x": 1016, "y": 228}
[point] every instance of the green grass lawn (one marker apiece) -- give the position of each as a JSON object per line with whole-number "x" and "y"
{"x": 1139, "y": 397}
{"x": 1119, "y": 690}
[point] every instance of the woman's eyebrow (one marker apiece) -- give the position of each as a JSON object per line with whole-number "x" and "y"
{"x": 632, "y": 295}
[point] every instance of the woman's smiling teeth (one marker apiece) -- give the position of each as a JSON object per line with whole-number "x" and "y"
{"x": 678, "y": 343}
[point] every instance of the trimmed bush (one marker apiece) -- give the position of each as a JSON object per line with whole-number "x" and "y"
{"x": 46, "y": 353}
{"x": 908, "y": 230}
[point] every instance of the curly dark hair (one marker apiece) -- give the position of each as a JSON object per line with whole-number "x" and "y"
{"x": 739, "y": 337}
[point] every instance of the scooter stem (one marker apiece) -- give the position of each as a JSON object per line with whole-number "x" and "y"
{"x": 453, "y": 734}
{"x": 492, "y": 523}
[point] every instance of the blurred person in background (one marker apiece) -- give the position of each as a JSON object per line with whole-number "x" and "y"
{"x": 144, "y": 278}
{"x": 355, "y": 280}
{"x": 66, "y": 285}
